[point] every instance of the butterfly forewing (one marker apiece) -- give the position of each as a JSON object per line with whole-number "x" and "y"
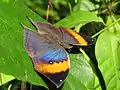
{"x": 46, "y": 28}
{"x": 65, "y": 35}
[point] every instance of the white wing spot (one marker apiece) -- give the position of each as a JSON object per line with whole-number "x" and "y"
{"x": 61, "y": 80}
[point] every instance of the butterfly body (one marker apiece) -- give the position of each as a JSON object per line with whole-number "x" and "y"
{"x": 47, "y": 50}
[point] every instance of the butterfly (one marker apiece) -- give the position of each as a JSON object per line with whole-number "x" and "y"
{"x": 47, "y": 47}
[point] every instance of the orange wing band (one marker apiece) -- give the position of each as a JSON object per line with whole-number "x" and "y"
{"x": 56, "y": 67}
{"x": 79, "y": 38}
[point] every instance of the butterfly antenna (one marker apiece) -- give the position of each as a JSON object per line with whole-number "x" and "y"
{"x": 21, "y": 25}
{"x": 31, "y": 21}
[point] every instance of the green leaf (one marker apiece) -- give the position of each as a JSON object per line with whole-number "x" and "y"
{"x": 80, "y": 17}
{"x": 85, "y": 5}
{"x": 108, "y": 56}
{"x": 5, "y": 78}
{"x": 78, "y": 75}
{"x": 72, "y": 83}
{"x": 13, "y": 57}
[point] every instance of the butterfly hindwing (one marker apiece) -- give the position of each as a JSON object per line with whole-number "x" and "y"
{"x": 54, "y": 64}
{"x": 49, "y": 59}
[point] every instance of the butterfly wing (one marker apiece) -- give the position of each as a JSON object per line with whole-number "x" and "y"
{"x": 49, "y": 59}
{"x": 46, "y": 28}
{"x": 67, "y": 35}
{"x": 76, "y": 38}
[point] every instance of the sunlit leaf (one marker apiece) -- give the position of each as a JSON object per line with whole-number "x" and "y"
{"x": 107, "y": 53}
{"x": 76, "y": 18}
{"x": 5, "y": 78}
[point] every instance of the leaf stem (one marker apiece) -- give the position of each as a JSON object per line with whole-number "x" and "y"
{"x": 106, "y": 28}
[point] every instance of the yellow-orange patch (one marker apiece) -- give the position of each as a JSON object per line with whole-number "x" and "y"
{"x": 53, "y": 68}
{"x": 79, "y": 38}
